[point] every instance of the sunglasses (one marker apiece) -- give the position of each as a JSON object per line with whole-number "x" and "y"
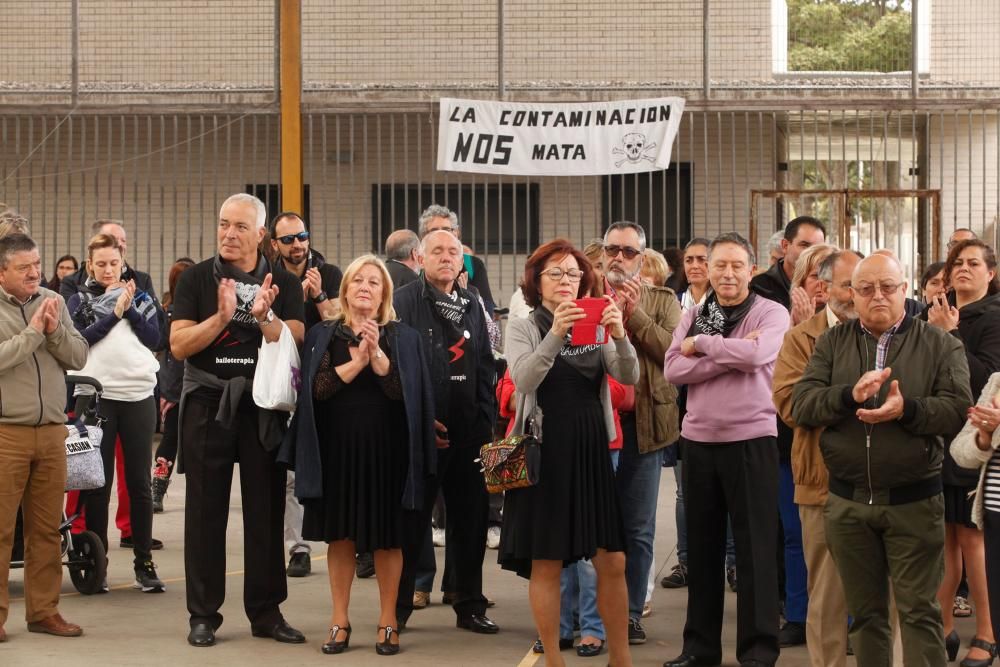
{"x": 615, "y": 250}
{"x": 289, "y": 239}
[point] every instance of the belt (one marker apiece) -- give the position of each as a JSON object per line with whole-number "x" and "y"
{"x": 899, "y": 495}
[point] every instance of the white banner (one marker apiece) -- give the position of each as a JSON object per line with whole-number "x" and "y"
{"x": 585, "y": 139}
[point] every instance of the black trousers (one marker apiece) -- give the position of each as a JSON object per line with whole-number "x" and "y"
{"x": 168, "y": 443}
{"x": 991, "y": 537}
{"x": 467, "y": 503}
{"x": 738, "y": 479}
{"x": 209, "y": 452}
{"x": 134, "y": 422}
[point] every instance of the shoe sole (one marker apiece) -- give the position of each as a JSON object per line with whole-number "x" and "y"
{"x": 149, "y": 589}
{"x": 54, "y": 634}
{"x": 635, "y": 640}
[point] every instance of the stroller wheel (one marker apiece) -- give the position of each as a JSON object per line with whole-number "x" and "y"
{"x": 88, "y": 563}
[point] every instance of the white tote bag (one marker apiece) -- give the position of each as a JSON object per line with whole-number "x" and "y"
{"x": 276, "y": 377}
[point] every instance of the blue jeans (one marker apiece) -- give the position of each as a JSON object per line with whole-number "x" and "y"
{"x": 578, "y": 588}
{"x": 682, "y": 532}
{"x": 638, "y": 480}
{"x": 796, "y": 595}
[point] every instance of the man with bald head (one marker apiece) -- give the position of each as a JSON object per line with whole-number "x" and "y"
{"x": 402, "y": 254}
{"x": 888, "y": 390}
{"x": 457, "y": 352}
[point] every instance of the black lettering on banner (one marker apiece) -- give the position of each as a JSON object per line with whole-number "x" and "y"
{"x": 616, "y": 117}
{"x": 560, "y": 120}
{"x": 601, "y": 117}
{"x": 532, "y": 118}
{"x": 462, "y": 147}
{"x": 485, "y": 151}
{"x": 483, "y": 146}
{"x": 519, "y": 118}
{"x": 629, "y": 114}
{"x": 503, "y": 116}
{"x": 558, "y": 152}
{"x": 575, "y": 118}
{"x": 468, "y": 117}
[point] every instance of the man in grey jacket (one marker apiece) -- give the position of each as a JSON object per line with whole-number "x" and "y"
{"x": 38, "y": 344}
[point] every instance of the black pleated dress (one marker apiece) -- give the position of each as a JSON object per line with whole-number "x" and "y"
{"x": 573, "y": 510}
{"x": 363, "y": 449}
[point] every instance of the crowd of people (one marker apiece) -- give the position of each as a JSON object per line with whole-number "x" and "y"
{"x": 833, "y": 432}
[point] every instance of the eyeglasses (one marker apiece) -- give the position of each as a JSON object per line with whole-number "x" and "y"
{"x": 557, "y": 274}
{"x": 866, "y": 291}
{"x": 289, "y": 239}
{"x": 615, "y": 250}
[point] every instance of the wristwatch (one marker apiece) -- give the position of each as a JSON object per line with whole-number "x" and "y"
{"x": 320, "y": 298}
{"x": 267, "y": 319}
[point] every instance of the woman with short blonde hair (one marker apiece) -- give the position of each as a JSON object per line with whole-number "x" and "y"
{"x": 808, "y": 292}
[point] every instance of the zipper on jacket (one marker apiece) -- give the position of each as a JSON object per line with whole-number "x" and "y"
{"x": 38, "y": 373}
{"x": 868, "y": 456}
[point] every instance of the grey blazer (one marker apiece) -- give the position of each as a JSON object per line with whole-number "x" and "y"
{"x": 529, "y": 357}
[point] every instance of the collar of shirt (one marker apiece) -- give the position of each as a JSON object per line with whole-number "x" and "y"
{"x": 831, "y": 318}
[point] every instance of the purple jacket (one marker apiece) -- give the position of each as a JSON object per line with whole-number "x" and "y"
{"x": 729, "y": 380}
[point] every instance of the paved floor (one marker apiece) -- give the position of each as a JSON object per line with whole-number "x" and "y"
{"x": 126, "y": 627}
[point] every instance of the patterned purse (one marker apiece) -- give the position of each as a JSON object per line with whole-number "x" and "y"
{"x": 513, "y": 462}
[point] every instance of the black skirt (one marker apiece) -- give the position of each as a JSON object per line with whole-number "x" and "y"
{"x": 573, "y": 510}
{"x": 363, "y": 450}
{"x": 958, "y": 505}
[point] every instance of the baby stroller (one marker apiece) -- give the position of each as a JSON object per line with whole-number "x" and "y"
{"x": 83, "y": 554}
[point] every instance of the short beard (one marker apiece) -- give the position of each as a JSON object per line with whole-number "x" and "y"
{"x": 618, "y": 277}
{"x": 843, "y": 311}
{"x": 290, "y": 260}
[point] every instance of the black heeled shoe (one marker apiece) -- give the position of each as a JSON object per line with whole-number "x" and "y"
{"x": 986, "y": 646}
{"x": 333, "y": 647}
{"x": 385, "y": 647}
{"x": 951, "y": 645}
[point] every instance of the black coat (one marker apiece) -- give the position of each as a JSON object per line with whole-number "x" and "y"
{"x": 414, "y": 305}
{"x": 400, "y": 273}
{"x": 300, "y": 448}
{"x": 773, "y": 284}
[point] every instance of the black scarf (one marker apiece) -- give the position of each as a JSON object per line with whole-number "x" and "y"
{"x": 243, "y": 325}
{"x": 586, "y": 359}
{"x": 712, "y": 319}
{"x": 450, "y": 308}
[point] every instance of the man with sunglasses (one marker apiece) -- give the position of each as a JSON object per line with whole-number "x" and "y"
{"x": 320, "y": 280}
{"x": 889, "y": 390}
{"x": 650, "y": 423}
{"x": 320, "y": 286}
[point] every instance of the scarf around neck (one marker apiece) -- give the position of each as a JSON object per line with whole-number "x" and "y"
{"x": 586, "y": 359}
{"x": 96, "y": 302}
{"x": 244, "y": 326}
{"x": 712, "y": 319}
{"x": 450, "y": 308}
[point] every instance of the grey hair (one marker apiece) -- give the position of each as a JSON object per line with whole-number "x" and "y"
{"x": 400, "y": 245}
{"x": 98, "y": 225}
{"x": 774, "y": 243}
{"x": 625, "y": 224}
{"x": 437, "y": 211}
{"x": 735, "y": 239}
{"x": 245, "y": 198}
{"x": 12, "y": 222}
{"x": 423, "y": 241}
{"x": 13, "y": 243}
{"x": 825, "y": 269}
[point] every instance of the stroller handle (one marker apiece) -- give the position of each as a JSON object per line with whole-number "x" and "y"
{"x": 85, "y": 380}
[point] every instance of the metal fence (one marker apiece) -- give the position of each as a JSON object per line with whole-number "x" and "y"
{"x": 697, "y": 46}
{"x": 367, "y": 174}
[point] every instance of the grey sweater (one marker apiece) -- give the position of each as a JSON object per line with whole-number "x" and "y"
{"x": 529, "y": 357}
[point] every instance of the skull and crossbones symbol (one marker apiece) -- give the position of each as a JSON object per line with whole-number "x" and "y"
{"x": 634, "y": 149}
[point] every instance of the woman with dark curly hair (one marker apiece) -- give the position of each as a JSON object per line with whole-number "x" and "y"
{"x": 970, "y": 311}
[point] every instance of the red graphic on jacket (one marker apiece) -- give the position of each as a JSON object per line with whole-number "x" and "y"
{"x": 457, "y": 350}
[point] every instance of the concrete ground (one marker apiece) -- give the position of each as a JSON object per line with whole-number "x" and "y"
{"x": 126, "y": 627}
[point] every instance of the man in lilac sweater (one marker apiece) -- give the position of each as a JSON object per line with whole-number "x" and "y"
{"x": 725, "y": 354}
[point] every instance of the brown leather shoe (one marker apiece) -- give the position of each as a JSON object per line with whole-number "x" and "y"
{"x": 56, "y": 625}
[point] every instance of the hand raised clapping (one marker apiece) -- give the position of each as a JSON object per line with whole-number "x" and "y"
{"x": 125, "y": 299}
{"x": 266, "y": 294}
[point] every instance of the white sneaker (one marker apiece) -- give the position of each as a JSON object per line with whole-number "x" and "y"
{"x": 493, "y": 537}
{"x": 437, "y": 536}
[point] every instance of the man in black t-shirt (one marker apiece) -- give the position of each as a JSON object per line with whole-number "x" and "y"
{"x": 223, "y": 307}
{"x": 320, "y": 286}
{"x": 473, "y": 271}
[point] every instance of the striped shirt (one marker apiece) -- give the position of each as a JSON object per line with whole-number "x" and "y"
{"x": 991, "y": 484}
